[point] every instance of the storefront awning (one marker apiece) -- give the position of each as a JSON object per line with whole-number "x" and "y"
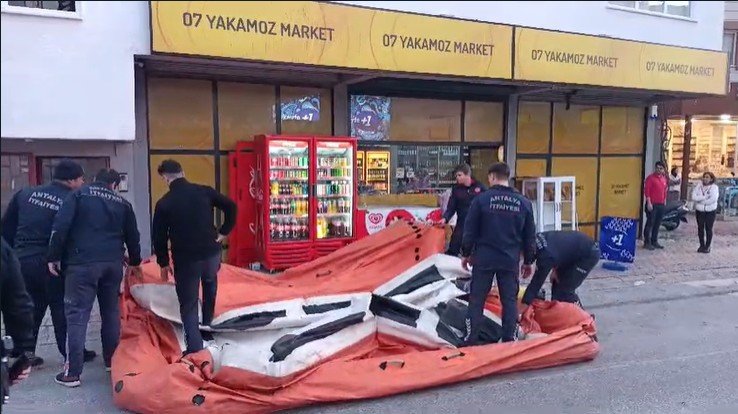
{"x": 347, "y": 41}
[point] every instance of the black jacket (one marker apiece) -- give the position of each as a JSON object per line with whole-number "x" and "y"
{"x": 565, "y": 247}
{"x": 15, "y": 304}
{"x": 92, "y": 226}
{"x": 30, "y": 214}
{"x": 460, "y": 201}
{"x": 185, "y": 216}
{"x": 498, "y": 228}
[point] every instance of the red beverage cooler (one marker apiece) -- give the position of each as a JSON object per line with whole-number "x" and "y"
{"x": 305, "y": 202}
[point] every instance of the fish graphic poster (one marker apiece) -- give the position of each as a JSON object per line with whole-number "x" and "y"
{"x": 370, "y": 117}
{"x": 306, "y": 108}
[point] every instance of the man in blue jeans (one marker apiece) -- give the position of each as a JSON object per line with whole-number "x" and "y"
{"x": 184, "y": 216}
{"x": 90, "y": 231}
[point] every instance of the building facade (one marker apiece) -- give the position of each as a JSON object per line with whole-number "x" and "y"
{"x": 700, "y": 134}
{"x": 553, "y": 88}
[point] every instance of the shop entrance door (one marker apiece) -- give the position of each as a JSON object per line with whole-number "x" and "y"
{"x": 16, "y": 174}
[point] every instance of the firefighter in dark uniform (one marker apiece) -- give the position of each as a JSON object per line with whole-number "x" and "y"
{"x": 498, "y": 229}
{"x": 27, "y": 228}
{"x": 90, "y": 230}
{"x": 462, "y": 194}
{"x": 571, "y": 255}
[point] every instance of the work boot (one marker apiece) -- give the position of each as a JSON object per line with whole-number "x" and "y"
{"x": 658, "y": 246}
{"x": 649, "y": 247}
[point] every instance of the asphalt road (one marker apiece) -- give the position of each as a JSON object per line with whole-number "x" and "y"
{"x": 665, "y": 349}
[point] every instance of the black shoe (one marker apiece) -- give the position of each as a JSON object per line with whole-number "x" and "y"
{"x": 67, "y": 381}
{"x": 658, "y": 246}
{"x": 207, "y": 336}
{"x": 706, "y": 250}
{"x": 36, "y": 361}
{"x": 701, "y": 249}
{"x": 649, "y": 247}
{"x": 89, "y": 355}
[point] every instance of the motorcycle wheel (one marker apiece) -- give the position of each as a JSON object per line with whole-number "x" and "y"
{"x": 671, "y": 226}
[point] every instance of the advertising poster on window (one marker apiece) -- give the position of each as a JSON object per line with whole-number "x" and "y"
{"x": 370, "y": 117}
{"x": 306, "y": 108}
{"x": 378, "y": 218}
{"x": 620, "y": 187}
{"x": 618, "y": 239}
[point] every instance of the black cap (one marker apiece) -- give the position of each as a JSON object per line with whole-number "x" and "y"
{"x": 68, "y": 170}
{"x": 169, "y": 167}
{"x": 108, "y": 176}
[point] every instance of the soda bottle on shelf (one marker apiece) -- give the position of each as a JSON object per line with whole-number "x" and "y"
{"x": 272, "y": 229}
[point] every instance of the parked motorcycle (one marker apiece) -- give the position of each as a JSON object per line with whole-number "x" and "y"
{"x": 674, "y": 215}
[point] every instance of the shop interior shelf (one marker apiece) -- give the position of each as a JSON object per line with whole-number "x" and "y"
{"x": 334, "y": 196}
{"x": 289, "y": 168}
{"x": 288, "y": 216}
{"x": 287, "y": 180}
{"x": 335, "y": 179}
{"x": 290, "y": 196}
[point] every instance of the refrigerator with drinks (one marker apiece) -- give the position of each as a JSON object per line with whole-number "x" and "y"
{"x": 305, "y": 203}
{"x": 283, "y": 201}
{"x": 335, "y": 189}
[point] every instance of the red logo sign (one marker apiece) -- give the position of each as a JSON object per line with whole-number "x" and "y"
{"x": 399, "y": 215}
{"x": 375, "y": 218}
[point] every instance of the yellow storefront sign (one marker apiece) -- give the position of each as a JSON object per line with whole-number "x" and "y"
{"x": 333, "y": 35}
{"x": 556, "y": 57}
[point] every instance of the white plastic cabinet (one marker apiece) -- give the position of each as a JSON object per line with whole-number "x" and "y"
{"x": 554, "y": 202}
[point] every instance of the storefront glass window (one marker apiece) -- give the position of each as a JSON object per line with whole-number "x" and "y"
{"x": 425, "y": 120}
{"x": 244, "y": 110}
{"x": 180, "y": 114}
{"x": 483, "y": 121}
{"x": 622, "y": 130}
{"x": 305, "y": 111}
{"x": 576, "y": 129}
{"x": 534, "y": 127}
{"x": 713, "y": 146}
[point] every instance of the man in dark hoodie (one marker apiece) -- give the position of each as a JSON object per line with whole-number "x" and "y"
{"x": 27, "y": 229}
{"x": 90, "y": 232}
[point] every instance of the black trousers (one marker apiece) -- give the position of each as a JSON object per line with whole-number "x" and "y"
{"x": 569, "y": 278}
{"x": 507, "y": 283}
{"x": 454, "y": 245}
{"x": 46, "y": 291}
{"x": 705, "y": 221}
{"x": 188, "y": 277}
{"x": 653, "y": 223}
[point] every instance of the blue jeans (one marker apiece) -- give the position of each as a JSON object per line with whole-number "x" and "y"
{"x": 83, "y": 283}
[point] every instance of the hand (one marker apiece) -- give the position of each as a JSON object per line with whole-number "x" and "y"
{"x": 136, "y": 272}
{"x": 220, "y": 238}
{"x": 466, "y": 263}
{"x": 649, "y": 206}
{"x": 528, "y": 270}
{"x": 23, "y": 376}
{"x": 166, "y": 271}
{"x": 55, "y": 268}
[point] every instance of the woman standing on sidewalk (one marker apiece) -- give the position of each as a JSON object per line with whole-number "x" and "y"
{"x": 705, "y": 196}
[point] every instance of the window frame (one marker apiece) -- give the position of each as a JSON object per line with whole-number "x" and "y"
{"x": 636, "y": 9}
{"x": 77, "y": 14}
{"x": 732, "y": 54}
